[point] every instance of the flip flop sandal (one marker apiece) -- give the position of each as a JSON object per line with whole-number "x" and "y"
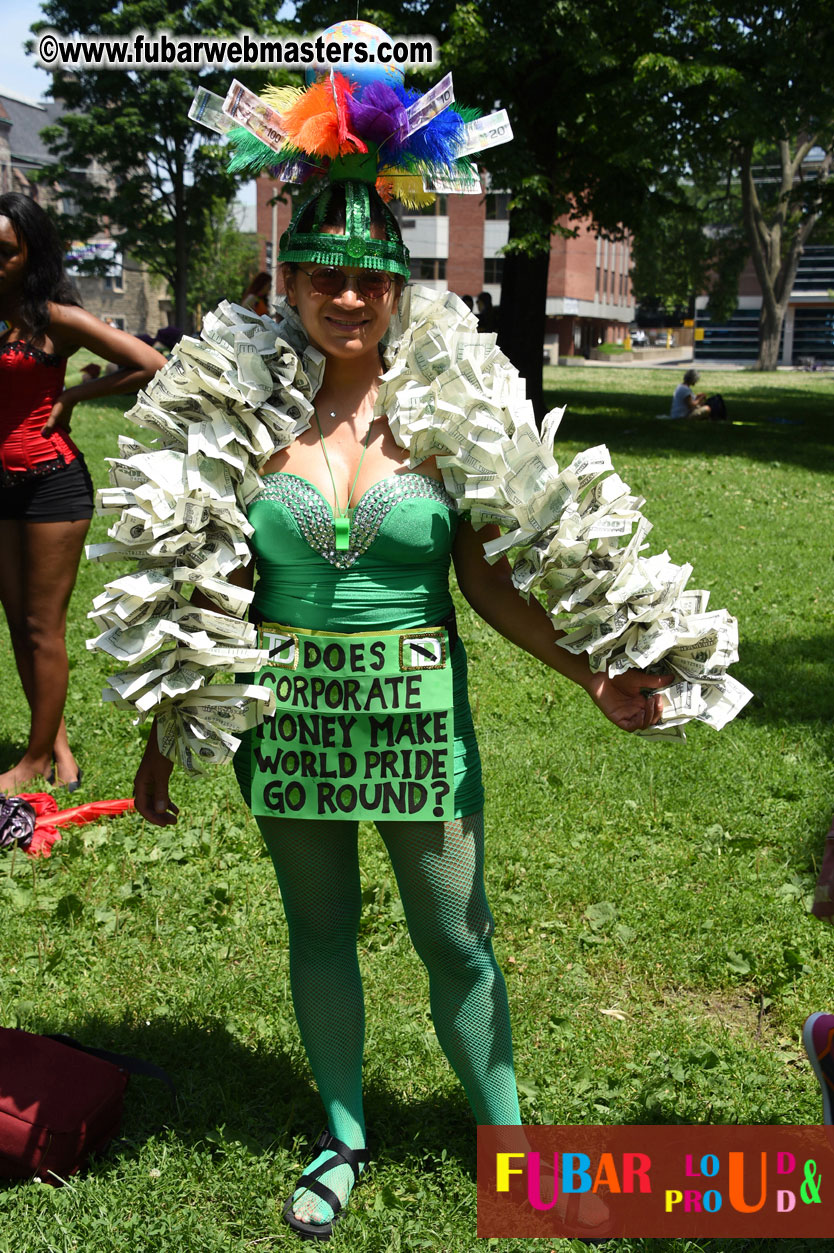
{"x": 344, "y": 1155}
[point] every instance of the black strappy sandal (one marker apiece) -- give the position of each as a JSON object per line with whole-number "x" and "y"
{"x": 344, "y": 1155}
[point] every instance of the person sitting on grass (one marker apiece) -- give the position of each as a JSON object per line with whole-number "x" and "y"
{"x": 685, "y": 403}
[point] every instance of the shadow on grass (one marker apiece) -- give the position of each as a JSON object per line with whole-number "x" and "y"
{"x": 11, "y": 751}
{"x": 792, "y": 681}
{"x": 796, "y": 430}
{"x": 231, "y": 1093}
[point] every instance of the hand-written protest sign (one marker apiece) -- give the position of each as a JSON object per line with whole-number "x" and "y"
{"x": 362, "y": 726}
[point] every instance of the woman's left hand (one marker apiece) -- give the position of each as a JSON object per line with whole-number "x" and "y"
{"x": 60, "y": 417}
{"x": 625, "y": 701}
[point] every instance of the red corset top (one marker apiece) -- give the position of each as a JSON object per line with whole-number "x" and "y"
{"x": 30, "y": 382}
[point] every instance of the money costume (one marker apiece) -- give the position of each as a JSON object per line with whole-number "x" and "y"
{"x": 193, "y": 505}
{"x": 224, "y": 403}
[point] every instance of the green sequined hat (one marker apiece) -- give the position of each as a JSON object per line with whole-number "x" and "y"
{"x": 356, "y": 174}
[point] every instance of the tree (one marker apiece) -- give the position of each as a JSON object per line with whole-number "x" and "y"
{"x": 748, "y": 104}
{"x": 687, "y": 245}
{"x": 565, "y": 74}
{"x": 161, "y": 169}
{"x": 224, "y": 263}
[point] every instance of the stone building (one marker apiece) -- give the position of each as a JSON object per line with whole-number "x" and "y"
{"x": 128, "y": 295}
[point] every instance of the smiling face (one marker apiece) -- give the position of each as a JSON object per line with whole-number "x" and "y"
{"x": 347, "y": 326}
{"x": 13, "y": 258}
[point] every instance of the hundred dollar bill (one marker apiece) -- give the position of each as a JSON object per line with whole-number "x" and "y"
{"x": 177, "y": 682}
{"x": 590, "y": 464}
{"x": 431, "y": 354}
{"x": 248, "y": 110}
{"x": 693, "y": 602}
{"x": 593, "y": 639}
{"x": 604, "y": 494}
{"x": 146, "y": 413}
{"x": 207, "y": 109}
{"x": 215, "y": 440}
{"x": 232, "y": 599}
{"x": 550, "y": 426}
{"x": 245, "y": 708}
{"x": 464, "y": 180}
{"x": 486, "y": 132}
{"x": 130, "y": 447}
{"x": 723, "y": 702}
{"x": 217, "y": 625}
{"x": 129, "y": 683}
{"x": 253, "y": 376}
{"x": 661, "y": 732}
{"x": 681, "y": 702}
{"x": 215, "y": 557}
{"x": 432, "y": 102}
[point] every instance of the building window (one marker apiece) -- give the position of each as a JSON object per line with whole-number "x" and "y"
{"x": 497, "y": 206}
{"x": 438, "y": 209}
{"x": 114, "y": 280}
{"x": 493, "y": 269}
{"x": 114, "y": 319}
{"x": 428, "y": 268}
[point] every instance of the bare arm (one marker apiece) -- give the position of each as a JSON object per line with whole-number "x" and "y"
{"x": 71, "y": 328}
{"x": 150, "y": 787}
{"x": 490, "y": 591}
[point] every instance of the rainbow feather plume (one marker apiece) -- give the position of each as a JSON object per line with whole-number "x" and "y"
{"x": 334, "y": 117}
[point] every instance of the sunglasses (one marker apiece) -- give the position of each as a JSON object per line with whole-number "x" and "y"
{"x": 329, "y": 280}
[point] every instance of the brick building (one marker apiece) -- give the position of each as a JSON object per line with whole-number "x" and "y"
{"x": 128, "y": 295}
{"x": 456, "y": 244}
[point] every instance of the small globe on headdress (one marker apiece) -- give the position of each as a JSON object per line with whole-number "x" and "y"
{"x": 361, "y": 73}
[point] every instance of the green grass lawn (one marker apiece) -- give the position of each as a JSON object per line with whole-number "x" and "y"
{"x": 650, "y": 899}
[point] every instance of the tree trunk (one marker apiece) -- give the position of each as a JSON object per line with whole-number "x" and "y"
{"x": 180, "y": 246}
{"x": 521, "y": 318}
{"x": 770, "y": 329}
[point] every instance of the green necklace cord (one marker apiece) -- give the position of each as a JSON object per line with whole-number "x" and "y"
{"x": 342, "y": 517}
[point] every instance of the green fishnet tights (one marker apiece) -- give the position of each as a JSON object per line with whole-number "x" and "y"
{"x": 439, "y": 870}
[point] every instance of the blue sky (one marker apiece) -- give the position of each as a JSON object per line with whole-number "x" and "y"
{"x": 18, "y": 74}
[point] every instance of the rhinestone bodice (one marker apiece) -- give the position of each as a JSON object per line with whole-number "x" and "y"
{"x": 395, "y": 571}
{"x": 314, "y": 517}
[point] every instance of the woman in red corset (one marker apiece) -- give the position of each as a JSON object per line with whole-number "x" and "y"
{"x": 46, "y": 496}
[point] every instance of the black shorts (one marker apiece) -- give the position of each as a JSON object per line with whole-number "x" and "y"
{"x": 62, "y": 495}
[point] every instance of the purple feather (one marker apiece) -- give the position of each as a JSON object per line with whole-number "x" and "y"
{"x": 437, "y": 143}
{"x": 377, "y": 115}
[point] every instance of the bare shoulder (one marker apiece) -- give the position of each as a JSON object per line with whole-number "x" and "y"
{"x": 69, "y": 325}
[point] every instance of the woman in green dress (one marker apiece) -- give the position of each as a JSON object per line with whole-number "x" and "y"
{"x": 350, "y": 539}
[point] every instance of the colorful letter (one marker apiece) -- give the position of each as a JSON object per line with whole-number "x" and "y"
{"x": 503, "y": 1170}
{"x": 737, "y": 1184}
{"x": 636, "y": 1166}
{"x": 575, "y": 1177}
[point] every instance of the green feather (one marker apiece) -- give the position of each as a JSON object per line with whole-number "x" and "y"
{"x": 251, "y": 154}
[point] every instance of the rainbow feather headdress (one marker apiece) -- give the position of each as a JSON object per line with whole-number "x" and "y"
{"x": 361, "y": 134}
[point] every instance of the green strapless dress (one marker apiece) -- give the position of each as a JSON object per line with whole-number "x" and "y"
{"x": 395, "y": 575}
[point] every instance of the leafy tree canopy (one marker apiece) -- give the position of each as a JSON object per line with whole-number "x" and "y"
{"x": 160, "y": 170}
{"x": 746, "y": 109}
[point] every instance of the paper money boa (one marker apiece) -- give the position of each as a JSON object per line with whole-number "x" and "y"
{"x": 226, "y": 402}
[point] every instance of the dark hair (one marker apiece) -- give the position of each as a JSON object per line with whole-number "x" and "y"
{"x": 44, "y": 277}
{"x": 486, "y": 298}
{"x": 258, "y": 284}
{"x": 690, "y": 378}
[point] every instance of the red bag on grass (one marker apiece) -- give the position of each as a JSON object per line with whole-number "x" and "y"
{"x": 59, "y": 1102}
{"x": 57, "y": 1105}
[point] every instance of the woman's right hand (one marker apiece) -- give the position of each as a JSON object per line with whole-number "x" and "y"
{"x": 150, "y": 787}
